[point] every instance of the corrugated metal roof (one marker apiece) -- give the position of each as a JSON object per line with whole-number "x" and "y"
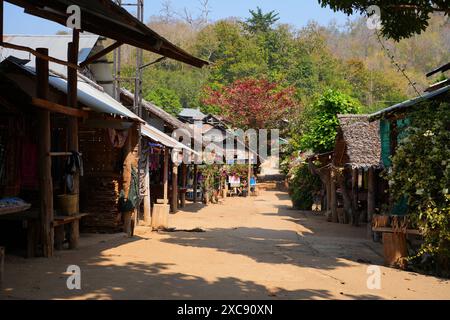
{"x": 56, "y": 44}
{"x": 111, "y": 20}
{"x": 88, "y": 95}
{"x": 163, "y": 138}
{"x": 100, "y": 101}
{"x": 192, "y": 113}
{"x": 409, "y": 103}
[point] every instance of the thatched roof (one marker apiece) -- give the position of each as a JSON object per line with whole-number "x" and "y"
{"x": 358, "y": 142}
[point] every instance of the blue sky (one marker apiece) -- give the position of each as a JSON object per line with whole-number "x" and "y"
{"x": 295, "y": 12}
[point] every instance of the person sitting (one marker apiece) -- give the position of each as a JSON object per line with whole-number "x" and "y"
{"x": 253, "y": 190}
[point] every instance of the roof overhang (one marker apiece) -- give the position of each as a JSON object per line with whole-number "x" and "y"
{"x": 401, "y": 107}
{"x": 159, "y": 136}
{"x": 108, "y": 19}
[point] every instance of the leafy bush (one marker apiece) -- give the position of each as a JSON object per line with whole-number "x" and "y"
{"x": 421, "y": 170}
{"x": 321, "y": 130}
{"x": 302, "y": 186}
{"x": 166, "y": 99}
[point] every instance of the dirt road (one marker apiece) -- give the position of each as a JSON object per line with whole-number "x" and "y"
{"x": 252, "y": 248}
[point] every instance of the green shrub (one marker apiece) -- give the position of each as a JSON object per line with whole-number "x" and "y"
{"x": 421, "y": 171}
{"x": 302, "y": 186}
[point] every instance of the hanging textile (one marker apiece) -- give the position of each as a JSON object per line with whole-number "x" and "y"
{"x": 117, "y": 137}
{"x": 74, "y": 163}
{"x": 130, "y": 203}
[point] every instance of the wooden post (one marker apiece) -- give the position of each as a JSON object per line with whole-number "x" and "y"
{"x": 2, "y": 262}
{"x": 126, "y": 178}
{"x": 333, "y": 202}
{"x": 45, "y": 162}
{"x": 59, "y": 237}
{"x": 249, "y": 173}
{"x": 74, "y": 234}
{"x": 195, "y": 186}
{"x": 166, "y": 175}
{"x": 355, "y": 175}
{"x": 72, "y": 101}
{"x": 147, "y": 202}
{"x": 370, "y": 200}
{"x": 31, "y": 237}
{"x": 174, "y": 188}
{"x": 183, "y": 184}
{"x": 328, "y": 192}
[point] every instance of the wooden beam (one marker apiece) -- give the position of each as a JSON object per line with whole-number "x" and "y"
{"x": 45, "y": 163}
{"x": 100, "y": 54}
{"x": 60, "y": 154}
{"x": 38, "y": 54}
{"x": 54, "y": 107}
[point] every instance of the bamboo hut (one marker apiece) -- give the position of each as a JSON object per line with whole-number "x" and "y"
{"x": 355, "y": 168}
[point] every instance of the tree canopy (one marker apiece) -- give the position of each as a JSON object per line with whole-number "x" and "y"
{"x": 252, "y": 103}
{"x": 166, "y": 99}
{"x": 320, "y": 132}
{"x": 399, "y": 18}
{"x": 261, "y": 22}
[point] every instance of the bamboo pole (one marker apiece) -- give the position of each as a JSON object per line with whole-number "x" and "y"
{"x": 45, "y": 162}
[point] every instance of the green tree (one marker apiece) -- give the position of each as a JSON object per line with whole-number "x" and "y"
{"x": 399, "y": 18}
{"x": 421, "y": 170}
{"x": 166, "y": 99}
{"x": 320, "y": 131}
{"x": 260, "y": 22}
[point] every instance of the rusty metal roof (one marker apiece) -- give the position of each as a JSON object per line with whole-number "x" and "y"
{"x": 106, "y": 18}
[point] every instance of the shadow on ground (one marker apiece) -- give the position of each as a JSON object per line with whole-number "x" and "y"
{"x": 133, "y": 280}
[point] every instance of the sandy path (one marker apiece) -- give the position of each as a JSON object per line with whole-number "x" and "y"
{"x": 253, "y": 248}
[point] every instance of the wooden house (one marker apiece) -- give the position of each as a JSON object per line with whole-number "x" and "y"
{"x": 104, "y": 18}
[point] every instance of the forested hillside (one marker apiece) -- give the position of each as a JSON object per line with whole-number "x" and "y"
{"x": 312, "y": 59}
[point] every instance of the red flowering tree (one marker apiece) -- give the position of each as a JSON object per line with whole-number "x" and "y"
{"x": 252, "y": 103}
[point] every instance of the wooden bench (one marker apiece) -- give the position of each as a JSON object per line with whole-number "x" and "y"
{"x": 390, "y": 230}
{"x": 394, "y": 245}
{"x": 74, "y": 234}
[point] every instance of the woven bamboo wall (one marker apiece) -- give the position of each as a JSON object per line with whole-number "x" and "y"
{"x": 101, "y": 184}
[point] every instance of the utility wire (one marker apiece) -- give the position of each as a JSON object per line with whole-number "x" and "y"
{"x": 395, "y": 63}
